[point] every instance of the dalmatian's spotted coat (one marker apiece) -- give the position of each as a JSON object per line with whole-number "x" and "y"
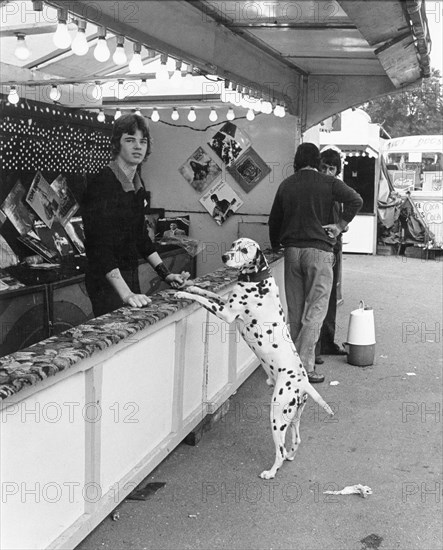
{"x": 255, "y": 303}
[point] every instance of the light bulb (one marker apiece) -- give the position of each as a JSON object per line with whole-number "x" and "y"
{"x": 13, "y": 96}
{"x": 189, "y": 71}
{"x": 257, "y": 106}
{"x": 55, "y": 93}
{"x": 101, "y": 116}
{"x": 174, "y": 114}
{"x": 192, "y": 117}
{"x": 266, "y": 107}
{"x": 61, "y": 38}
{"x": 213, "y": 115}
{"x": 244, "y": 102}
{"x": 101, "y": 52}
{"x": 144, "y": 87}
{"x": 80, "y": 45}
{"x": 136, "y": 64}
{"x": 231, "y": 114}
{"x": 120, "y": 91}
{"x": 235, "y": 99}
{"x": 21, "y": 51}
{"x": 119, "y": 56}
{"x": 155, "y": 117}
{"x": 118, "y": 114}
{"x": 250, "y": 115}
{"x": 96, "y": 92}
{"x": 162, "y": 73}
{"x": 177, "y": 74}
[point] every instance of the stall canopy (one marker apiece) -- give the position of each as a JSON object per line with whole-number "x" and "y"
{"x": 315, "y": 58}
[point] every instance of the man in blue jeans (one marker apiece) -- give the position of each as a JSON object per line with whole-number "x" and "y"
{"x": 302, "y": 221}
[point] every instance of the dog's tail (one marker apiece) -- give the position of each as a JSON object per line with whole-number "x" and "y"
{"x": 318, "y": 399}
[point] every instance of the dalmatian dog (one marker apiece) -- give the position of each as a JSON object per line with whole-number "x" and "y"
{"x": 254, "y": 302}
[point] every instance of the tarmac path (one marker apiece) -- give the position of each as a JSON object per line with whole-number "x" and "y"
{"x": 387, "y": 434}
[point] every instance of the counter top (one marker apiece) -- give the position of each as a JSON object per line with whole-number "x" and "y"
{"x": 32, "y": 365}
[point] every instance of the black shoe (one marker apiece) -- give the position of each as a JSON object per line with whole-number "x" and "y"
{"x": 315, "y": 377}
{"x": 335, "y": 350}
{"x": 318, "y": 360}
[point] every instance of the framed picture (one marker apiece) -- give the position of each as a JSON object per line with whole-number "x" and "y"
{"x": 221, "y": 201}
{"x": 249, "y": 170}
{"x": 200, "y": 170}
{"x": 152, "y": 216}
{"x": 229, "y": 143}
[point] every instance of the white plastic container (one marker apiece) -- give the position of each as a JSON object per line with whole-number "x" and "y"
{"x": 361, "y": 336}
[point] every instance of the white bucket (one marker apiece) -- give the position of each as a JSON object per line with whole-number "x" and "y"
{"x": 361, "y": 328}
{"x": 361, "y": 337}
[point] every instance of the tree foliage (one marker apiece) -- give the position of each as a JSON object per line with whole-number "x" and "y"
{"x": 416, "y": 110}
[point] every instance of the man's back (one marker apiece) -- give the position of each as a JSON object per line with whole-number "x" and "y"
{"x": 303, "y": 204}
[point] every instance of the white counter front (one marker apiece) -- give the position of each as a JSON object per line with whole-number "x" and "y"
{"x": 77, "y": 439}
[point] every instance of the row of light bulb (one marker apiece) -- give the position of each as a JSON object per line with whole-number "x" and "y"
{"x": 79, "y": 46}
{"x": 14, "y": 98}
{"x": 248, "y": 101}
{"x": 260, "y": 106}
{"x": 192, "y": 116}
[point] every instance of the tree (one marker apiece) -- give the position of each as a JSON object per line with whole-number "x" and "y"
{"x": 416, "y": 110}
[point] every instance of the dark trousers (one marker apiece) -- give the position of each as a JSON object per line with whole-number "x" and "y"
{"x": 103, "y": 297}
{"x": 326, "y": 342}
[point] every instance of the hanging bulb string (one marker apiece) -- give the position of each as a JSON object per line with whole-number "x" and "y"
{"x": 218, "y": 123}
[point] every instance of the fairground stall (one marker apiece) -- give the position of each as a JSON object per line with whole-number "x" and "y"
{"x": 359, "y": 142}
{"x": 415, "y": 164}
{"x": 228, "y": 87}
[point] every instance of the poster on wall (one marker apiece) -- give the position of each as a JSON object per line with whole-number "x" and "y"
{"x": 43, "y": 199}
{"x": 229, "y": 143}
{"x": 249, "y": 170}
{"x": 221, "y": 201}
{"x": 200, "y": 170}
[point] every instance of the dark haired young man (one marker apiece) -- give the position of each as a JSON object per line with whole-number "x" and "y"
{"x": 301, "y": 220}
{"x": 113, "y": 217}
{"x": 330, "y": 164}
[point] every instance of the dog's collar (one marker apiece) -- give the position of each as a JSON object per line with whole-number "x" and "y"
{"x": 255, "y": 277}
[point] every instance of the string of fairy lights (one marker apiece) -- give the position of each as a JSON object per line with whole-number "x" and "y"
{"x": 71, "y": 36}
{"x": 35, "y": 136}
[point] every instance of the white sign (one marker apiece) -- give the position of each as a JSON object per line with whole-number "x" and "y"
{"x": 432, "y": 211}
